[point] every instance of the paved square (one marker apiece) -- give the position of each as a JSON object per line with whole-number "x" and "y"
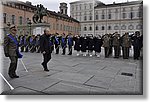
{"x": 74, "y": 75}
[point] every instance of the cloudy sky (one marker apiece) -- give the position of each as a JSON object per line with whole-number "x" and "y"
{"x": 53, "y": 5}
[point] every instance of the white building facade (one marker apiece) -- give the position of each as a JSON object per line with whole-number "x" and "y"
{"x": 97, "y": 18}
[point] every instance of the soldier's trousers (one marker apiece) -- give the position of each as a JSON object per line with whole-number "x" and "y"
{"x": 13, "y": 65}
{"x": 57, "y": 49}
{"x": 106, "y": 51}
{"x": 125, "y": 52}
{"x": 117, "y": 51}
{"x": 70, "y": 50}
{"x": 46, "y": 59}
{"x": 136, "y": 52}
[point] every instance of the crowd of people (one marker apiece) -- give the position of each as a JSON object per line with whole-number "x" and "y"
{"x": 48, "y": 43}
{"x": 87, "y": 45}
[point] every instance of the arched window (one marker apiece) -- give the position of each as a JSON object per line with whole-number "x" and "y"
{"x": 109, "y": 27}
{"x": 85, "y": 28}
{"x": 96, "y": 28}
{"x": 103, "y": 28}
{"x": 90, "y": 28}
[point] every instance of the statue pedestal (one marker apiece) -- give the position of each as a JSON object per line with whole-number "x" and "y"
{"x": 39, "y": 28}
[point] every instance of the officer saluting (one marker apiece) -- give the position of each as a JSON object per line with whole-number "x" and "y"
{"x": 45, "y": 46}
{"x": 11, "y": 50}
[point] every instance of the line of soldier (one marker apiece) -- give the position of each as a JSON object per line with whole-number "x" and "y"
{"x": 88, "y": 44}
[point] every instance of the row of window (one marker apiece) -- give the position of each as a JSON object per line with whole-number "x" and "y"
{"x": 90, "y": 6}
{"x": 64, "y": 28}
{"x": 80, "y": 7}
{"x": 123, "y": 27}
{"x": 130, "y": 15}
{"x": 13, "y": 19}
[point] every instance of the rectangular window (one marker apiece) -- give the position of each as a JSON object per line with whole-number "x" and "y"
{"x": 96, "y": 17}
{"x": 57, "y": 27}
{"x": 103, "y": 16}
{"x": 5, "y": 19}
{"x": 123, "y": 15}
{"x": 109, "y": 27}
{"x": 53, "y": 26}
{"x": 85, "y": 18}
{"x": 103, "y": 28}
{"x": 20, "y": 20}
{"x": 13, "y": 19}
{"x": 131, "y": 15}
{"x": 109, "y": 16}
{"x": 90, "y": 18}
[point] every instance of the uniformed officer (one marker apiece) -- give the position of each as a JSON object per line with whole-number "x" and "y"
{"x": 137, "y": 44}
{"x": 90, "y": 45}
{"x": 11, "y": 50}
{"x": 37, "y": 44}
{"x": 126, "y": 44}
{"x": 70, "y": 44}
{"x": 116, "y": 45}
{"x": 106, "y": 45}
{"x": 63, "y": 43}
{"x": 84, "y": 45}
{"x": 77, "y": 45}
{"x": 97, "y": 45}
{"x": 57, "y": 43}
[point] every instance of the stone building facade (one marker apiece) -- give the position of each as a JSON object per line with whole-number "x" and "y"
{"x": 97, "y": 18}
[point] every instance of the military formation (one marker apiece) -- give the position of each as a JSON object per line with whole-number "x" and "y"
{"x": 87, "y": 45}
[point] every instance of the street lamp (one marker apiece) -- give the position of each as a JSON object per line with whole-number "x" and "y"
{"x": 29, "y": 23}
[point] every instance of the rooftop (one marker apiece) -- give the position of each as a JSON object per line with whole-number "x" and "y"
{"x": 33, "y": 7}
{"x": 120, "y": 4}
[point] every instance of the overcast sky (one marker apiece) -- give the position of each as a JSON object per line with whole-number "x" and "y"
{"x": 53, "y": 5}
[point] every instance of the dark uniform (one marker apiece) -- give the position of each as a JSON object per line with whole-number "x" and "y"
{"x": 70, "y": 44}
{"x": 38, "y": 44}
{"x": 116, "y": 45}
{"x": 126, "y": 44}
{"x": 63, "y": 44}
{"x": 137, "y": 44}
{"x": 110, "y": 44}
{"x": 45, "y": 46}
{"x": 97, "y": 45}
{"x": 90, "y": 45}
{"x": 11, "y": 50}
{"x": 57, "y": 43}
{"x": 77, "y": 45}
{"x": 83, "y": 45}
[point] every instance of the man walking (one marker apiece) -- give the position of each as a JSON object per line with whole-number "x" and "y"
{"x": 11, "y": 50}
{"x": 45, "y": 46}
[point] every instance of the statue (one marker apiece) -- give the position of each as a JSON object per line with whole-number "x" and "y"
{"x": 40, "y": 12}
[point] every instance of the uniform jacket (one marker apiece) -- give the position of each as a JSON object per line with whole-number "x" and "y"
{"x": 10, "y": 47}
{"x": 106, "y": 41}
{"x": 97, "y": 44}
{"x": 116, "y": 41}
{"x": 126, "y": 41}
